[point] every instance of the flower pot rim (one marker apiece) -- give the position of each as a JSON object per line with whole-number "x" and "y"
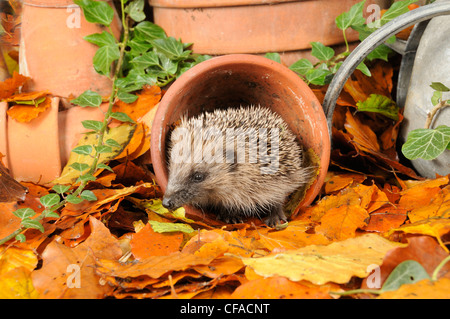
{"x": 179, "y": 87}
{"x": 213, "y": 4}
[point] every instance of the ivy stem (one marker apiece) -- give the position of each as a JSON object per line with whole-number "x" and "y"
{"x": 432, "y": 114}
{"x": 436, "y": 271}
{"x": 101, "y": 134}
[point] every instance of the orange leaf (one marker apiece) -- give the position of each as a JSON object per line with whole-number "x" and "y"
{"x": 11, "y": 85}
{"x": 147, "y": 243}
{"x": 341, "y": 223}
{"x": 363, "y": 136}
{"x": 25, "y": 113}
{"x": 27, "y": 96}
{"x": 280, "y": 288}
{"x": 61, "y": 263}
{"x": 147, "y": 99}
{"x": 386, "y": 218}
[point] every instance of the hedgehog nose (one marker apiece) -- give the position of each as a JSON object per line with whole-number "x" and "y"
{"x": 168, "y": 203}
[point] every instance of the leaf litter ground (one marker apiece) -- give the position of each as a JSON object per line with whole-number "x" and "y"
{"x": 373, "y": 211}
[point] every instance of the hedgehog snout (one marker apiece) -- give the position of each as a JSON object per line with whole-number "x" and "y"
{"x": 168, "y": 203}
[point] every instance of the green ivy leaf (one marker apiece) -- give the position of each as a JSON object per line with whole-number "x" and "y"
{"x": 50, "y": 200}
{"x": 364, "y": 69}
{"x": 96, "y": 11}
{"x": 397, "y": 8}
{"x": 86, "y": 178}
{"x": 31, "y": 223}
{"x": 60, "y": 189}
{"x": 352, "y": 17}
{"x": 122, "y": 117}
{"x": 437, "y": 95}
{"x": 126, "y": 97}
{"x": 52, "y": 214}
{"x": 302, "y": 66}
{"x": 83, "y": 149}
{"x": 172, "y": 48}
{"x": 317, "y": 76}
{"x": 112, "y": 143}
{"x": 104, "y": 166}
{"x": 136, "y": 10}
{"x": 148, "y": 31}
{"x": 88, "y": 98}
{"x": 426, "y": 143}
{"x": 407, "y": 272}
{"x": 322, "y": 52}
{"x": 102, "y": 149}
{"x": 73, "y": 199}
{"x": 139, "y": 46}
{"x": 88, "y": 195}
{"x": 438, "y": 86}
{"x": 21, "y": 238}
{"x": 92, "y": 125}
{"x": 101, "y": 39}
{"x": 81, "y": 167}
{"x": 381, "y": 52}
{"x": 104, "y": 57}
{"x": 145, "y": 60}
{"x": 24, "y": 213}
{"x": 379, "y": 104}
{"x": 273, "y": 56}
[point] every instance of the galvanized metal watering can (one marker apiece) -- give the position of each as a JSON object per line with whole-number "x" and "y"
{"x": 426, "y": 59}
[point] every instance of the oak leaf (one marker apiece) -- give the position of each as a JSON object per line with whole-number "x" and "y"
{"x": 26, "y": 113}
{"x": 11, "y": 85}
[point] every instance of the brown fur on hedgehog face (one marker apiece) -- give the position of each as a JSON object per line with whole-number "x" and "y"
{"x": 236, "y": 188}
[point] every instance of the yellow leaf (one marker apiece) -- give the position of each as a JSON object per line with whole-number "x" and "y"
{"x": 424, "y": 289}
{"x": 432, "y": 227}
{"x": 15, "y": 257}
{"x": 121, "y": 134}
{"x": 336, "y": 262}
{"x": 17, "y": 284}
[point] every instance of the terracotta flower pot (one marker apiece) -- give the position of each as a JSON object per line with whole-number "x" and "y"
{"x": 242, "y": 79}
{"x": 36, "y": 151}
{"x": 254, "y": 26}
{"x": 53, "y": 52}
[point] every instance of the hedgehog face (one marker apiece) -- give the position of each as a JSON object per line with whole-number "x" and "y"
{"x": 194, "y": 184}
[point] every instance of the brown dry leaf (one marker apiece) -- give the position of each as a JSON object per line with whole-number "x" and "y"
{"x": 363, "y": 136}
{"x": 10, "y": 189}
{"x": 61, "y": 263}
{"x": 147, "y": 242}
{"x": 277, "y": 287}
{"x": 26, "y": 113}
{"x": 11, "y": 85}
{"x": 360, "y": 86}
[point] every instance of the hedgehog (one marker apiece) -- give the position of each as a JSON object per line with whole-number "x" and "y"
{"x": 235, "y": 162}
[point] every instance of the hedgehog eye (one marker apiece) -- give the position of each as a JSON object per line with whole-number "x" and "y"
{"x": 198, "y": 177}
